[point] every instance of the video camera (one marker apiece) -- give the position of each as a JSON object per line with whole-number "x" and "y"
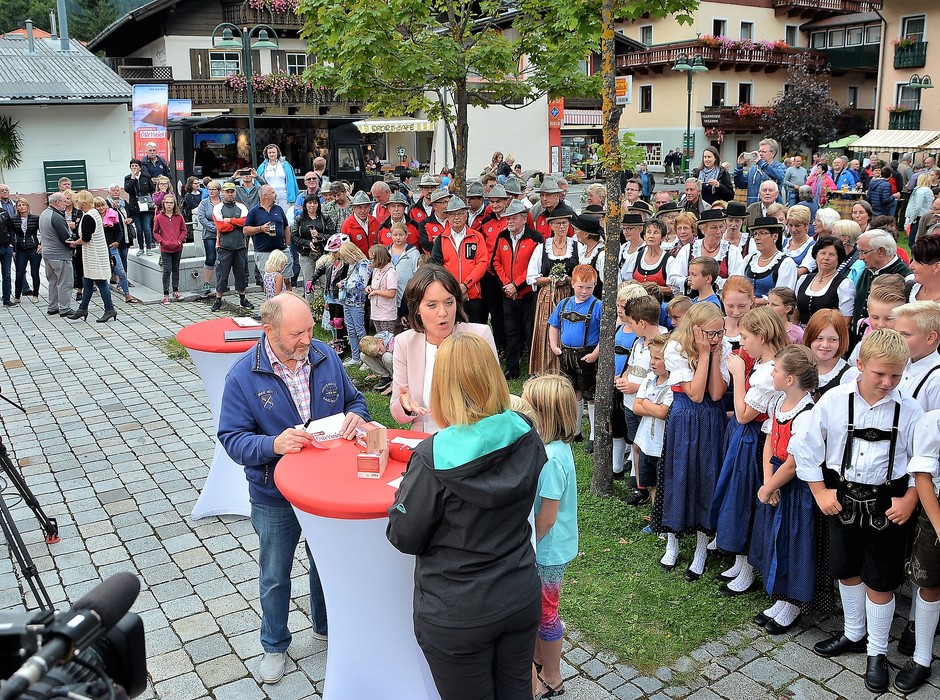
{"x": 95, "y": 650}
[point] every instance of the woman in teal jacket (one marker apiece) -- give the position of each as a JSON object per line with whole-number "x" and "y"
{"x": 463, "y": 510}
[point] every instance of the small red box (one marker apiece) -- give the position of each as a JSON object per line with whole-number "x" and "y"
{"x": 372, "y": 437}
{"x": 371, "y": 465}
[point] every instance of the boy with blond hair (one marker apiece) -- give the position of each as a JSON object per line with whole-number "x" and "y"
{"x": 919, "y": 324}
{"x": 854, "y": 455}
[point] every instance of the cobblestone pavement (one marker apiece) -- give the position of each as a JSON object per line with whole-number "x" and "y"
{"x": 116, "y": 443}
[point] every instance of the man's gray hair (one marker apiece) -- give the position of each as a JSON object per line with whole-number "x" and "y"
{"x": 380, "y": 186}
{"x": 113, "y": 184}
{"x": 265, "y": 190}
{"x": 56, "y": 197}
{"x": 879, "y": 239}
{"x": 774, "y": 146}
{"x": 149, "y": 144}
{"x": 271, "y": 312}
{"x": 694, "y": 181}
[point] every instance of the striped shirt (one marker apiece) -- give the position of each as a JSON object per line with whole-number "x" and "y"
{"x": 297, "y": 380}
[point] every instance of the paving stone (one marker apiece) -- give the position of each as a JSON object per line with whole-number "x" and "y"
{"x": 610, "y": 681}
{"x": 805, "y": 689}
{"x": 805, "y": 662}
{"x": 713, "y": 672}
{"x": 704, "y": 694}
{"x": 245, "y": 689}
{"x": 737, "y": 686}
{"x": 628, "y": 692}
{"x": 577, "y": 656}
{"x": 677, "y": 691}
{"x": 168, "y": 665}
{"x": 195, "y": 626}
{"x": 626, "y": 672}
{"x": 769, "y": 672}
{"x": 222, "y": 670}
{"x": 647, "y": 684}
{"x": 187, "y": 686}
{"x": 594, "y": 669}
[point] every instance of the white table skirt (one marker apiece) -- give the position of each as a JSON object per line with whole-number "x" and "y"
{"x": 369, "y": 589}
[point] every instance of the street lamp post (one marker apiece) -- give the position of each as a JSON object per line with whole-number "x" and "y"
{"x": 696, "y": 65}
{"x": 235, "y": 38}
{"x": 919, "y": 83}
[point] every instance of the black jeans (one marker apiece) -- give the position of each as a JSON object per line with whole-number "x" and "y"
{"x": 492, "y": 291}
{"x": 490, "y": 662}
{"x": 517, "y": 315}
{"x": 171, "y": 268}
{"x": 226, "y": 261}
{"x": 26, "y": 257}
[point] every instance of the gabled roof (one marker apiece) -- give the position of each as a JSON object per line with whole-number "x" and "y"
{"x": 50, "y": 75}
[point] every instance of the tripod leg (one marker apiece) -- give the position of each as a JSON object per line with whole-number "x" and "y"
{"x": 50, "y": 527}
{"x": 27, "y": 567}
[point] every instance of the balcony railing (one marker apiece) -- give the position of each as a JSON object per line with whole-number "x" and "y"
{"x": 832, "y": 7}
{"x": 908, "y": 121}
{"x": 659, "y": 58}
{"x": 913, "y": 56}
{"x": 728, "y": 120}
{"x": 206, "y": 93}
{"x": 855, "y": 121}
{"x": 243, "y": 15}
{"x": 861, "y": 58}
{"x": 146, "y": 74}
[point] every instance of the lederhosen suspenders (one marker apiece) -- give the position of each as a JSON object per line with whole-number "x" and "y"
{"x": 866, "y": 504}
{"x": 924, "y": 380}
{"x": 835, "y": 381}
{"x": 571, "y": 356}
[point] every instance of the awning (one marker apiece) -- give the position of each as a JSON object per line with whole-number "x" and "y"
{"x": 841, "y": 143}
{"x": 583, "y": 117}
{"x": 895, "y": 140}
{"x": 393, "y": 126}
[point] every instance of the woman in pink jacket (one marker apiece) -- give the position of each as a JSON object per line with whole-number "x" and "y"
{"x": 169, "y": 231}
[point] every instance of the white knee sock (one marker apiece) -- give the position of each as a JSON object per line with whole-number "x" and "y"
{"x": 879, "y": 619}
{"x": 734, "y": 570}
{"x": 915, "y": 593}
{"x": 788, "y": 613}
{"x": 580, "y": 413}
{"x": 774, "y": 609}
{"x": 701, "y": 553}
{"x": 744, "y": 578}
{"x": 926, "y": 615}
{"x": 713, "y": 547}
{"x": 853, "y": 609}
{"x": 672, "y": 550}
{"x": 620, "y": 448}
{"x": 591, "y": 418}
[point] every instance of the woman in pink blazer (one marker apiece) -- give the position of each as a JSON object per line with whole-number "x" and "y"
{"x": 435, "y": 311}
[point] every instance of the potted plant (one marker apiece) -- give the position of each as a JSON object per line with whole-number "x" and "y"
{"x": 11, "y": 145}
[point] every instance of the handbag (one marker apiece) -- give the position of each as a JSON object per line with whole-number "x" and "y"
{"x": 145, "y": 203}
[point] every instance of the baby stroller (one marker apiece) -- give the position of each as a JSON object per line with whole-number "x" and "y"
{"x": 337, "y": 343}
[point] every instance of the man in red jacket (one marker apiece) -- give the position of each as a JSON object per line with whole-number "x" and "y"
{"x": 361, "y": 227}
{"x": 463, "y": 252}
{"x": 435, "y": 224}
{"x": 422, "y": 209}
{"x": 514, "y": 248}
{"x": 396, "y": 208}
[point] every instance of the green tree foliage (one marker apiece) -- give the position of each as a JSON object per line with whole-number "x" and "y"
{"x": 86, "y": 17}
{"x": 13, "y": 14}
{"x": 804, "y": 114}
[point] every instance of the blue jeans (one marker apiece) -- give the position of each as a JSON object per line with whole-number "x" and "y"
{"x": 32, "y": 258}
{"x": 209, "y": 244}
{"x": 355, "y": 318}
{"x": 6, "y": 261}
{"x": 144, "y": 223}
{"x": 278, "y": 535}
{"x": 119, "y": 270}
{"x": 88, "y": 288}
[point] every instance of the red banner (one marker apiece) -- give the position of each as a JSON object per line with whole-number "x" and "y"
{"x": 556, "y": 113}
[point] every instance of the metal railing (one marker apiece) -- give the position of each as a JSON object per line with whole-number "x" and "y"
{"x": 717, "y": 56}
{"x": 219, "y": 92}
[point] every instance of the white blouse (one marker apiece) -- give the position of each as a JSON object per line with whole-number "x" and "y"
{"x": 846, "y": 292}
{"x": 679, "y": 369}
{"x": 761, "y": 387}
{"x": 786, "y": 275}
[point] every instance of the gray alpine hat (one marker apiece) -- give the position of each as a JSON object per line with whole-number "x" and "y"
{"x": 498, "y": 192}
{"x": 549, "y": 186}
{"x": 475, "y": 189}
{"x": 513, "y": 186}
{"x": 455, "y": 204}
{"x": 515, "y": 207}
{"x": 427, "y": 180}
{"x": 361, "y": 198}
{"x": 398, "y": 198}
{"x": 439, "y": 194}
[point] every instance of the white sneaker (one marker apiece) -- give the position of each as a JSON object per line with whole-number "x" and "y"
{"x": 166, "y": 299}
{"x": 272, "y": 667}
{"x": 177, "y": 296}
{"x": 363, "y": 367}
{"x": 317, "y": 635}
{"x": 348, "y": 362}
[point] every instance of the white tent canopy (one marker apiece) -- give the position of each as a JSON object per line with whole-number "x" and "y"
{"x": 896, "y": 140}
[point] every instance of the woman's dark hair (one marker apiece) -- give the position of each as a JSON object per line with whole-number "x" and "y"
{"x": 867, "y": 207}
{"x": 823, "y": 167}
{"x": 657, "y": 224}
{"x": 418, "y": 285}
{"x": 825, "y": 242}
{"x": 926, "y": 250}
{"x": 304, "y": 214}
{"x": 136, "y": 161}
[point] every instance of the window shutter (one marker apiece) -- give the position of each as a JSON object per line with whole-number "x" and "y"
{"x": 256, "y": 63}
{"x": 199, "y": 63}
{"x": 279, "y": 61}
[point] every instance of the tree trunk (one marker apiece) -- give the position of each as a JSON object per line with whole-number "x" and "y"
{"x": 602, "y": 482}
{"x": 462, "y": 138}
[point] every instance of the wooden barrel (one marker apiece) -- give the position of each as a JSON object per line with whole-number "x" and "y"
{"x": 740, "y": 195}
{"x": 843, "y": 206}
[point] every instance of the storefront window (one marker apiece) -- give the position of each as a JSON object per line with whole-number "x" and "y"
{"x": 576, "y": 153}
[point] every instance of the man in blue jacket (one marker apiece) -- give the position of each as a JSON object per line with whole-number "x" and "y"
{"x": 285, "y": 380}
{"x": 764, "y": 168}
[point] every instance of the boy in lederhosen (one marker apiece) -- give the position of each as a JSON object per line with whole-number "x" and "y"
{"x": 573, "y": 334}
{"x": 855, "y": 458}
{"x": 924, "y": 568}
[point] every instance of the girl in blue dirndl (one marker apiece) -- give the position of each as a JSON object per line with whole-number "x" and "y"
{"x": 696, "y": 362}
{"x": 784, "y": 545}
{"x": 762, "y": 335}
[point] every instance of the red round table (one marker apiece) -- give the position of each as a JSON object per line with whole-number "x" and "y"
{"x": 225, "y": 491}
{"x": 367, "y": 583}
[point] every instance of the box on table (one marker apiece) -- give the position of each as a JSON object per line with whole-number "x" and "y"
{"x": 371, "y": 465}
{"x": 372, "y": 437}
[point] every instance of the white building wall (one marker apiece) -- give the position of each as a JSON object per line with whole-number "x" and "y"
{"x": 522, "y": 132}
{"x": 97, "y": 134}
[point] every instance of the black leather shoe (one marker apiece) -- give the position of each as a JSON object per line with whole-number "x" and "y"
{"x": 876, "y": 674}
{"x": 907, "y": 642}
{"x": 640, "y": 497}
{"x": 728, "y": 592}
{"x": 619, "y": 476}
{"x": 578, "y": 438}
{"x": 52, "y": 312}
{"x": 589, "y": 447}
{"x": 691, "y": 576}
{"x": 78, "y": 314}
{"x": 760, "y": 619}
{"x": 839, "y": 644}
{"x": 774, "y": 627}
{"x": 911, "y": 678}
{"x": 667, "y": 567}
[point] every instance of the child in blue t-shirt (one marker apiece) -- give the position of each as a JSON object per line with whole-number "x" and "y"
{"x": 573, "y": 334}
{"x": 553, "y": 403}
{"x": 703, "y": 273}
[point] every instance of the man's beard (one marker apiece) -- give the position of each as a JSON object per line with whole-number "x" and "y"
{"x": 297, "y": 355}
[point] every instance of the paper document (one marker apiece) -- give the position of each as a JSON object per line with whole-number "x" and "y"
{"x": 395, "y": 483}
{"x": 245, "y": 321}
{"x": 325, "y": 431}
{"x": 407, "y": 442}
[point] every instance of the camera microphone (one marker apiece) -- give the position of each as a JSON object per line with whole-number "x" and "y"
{"x": 88, "y": 620}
